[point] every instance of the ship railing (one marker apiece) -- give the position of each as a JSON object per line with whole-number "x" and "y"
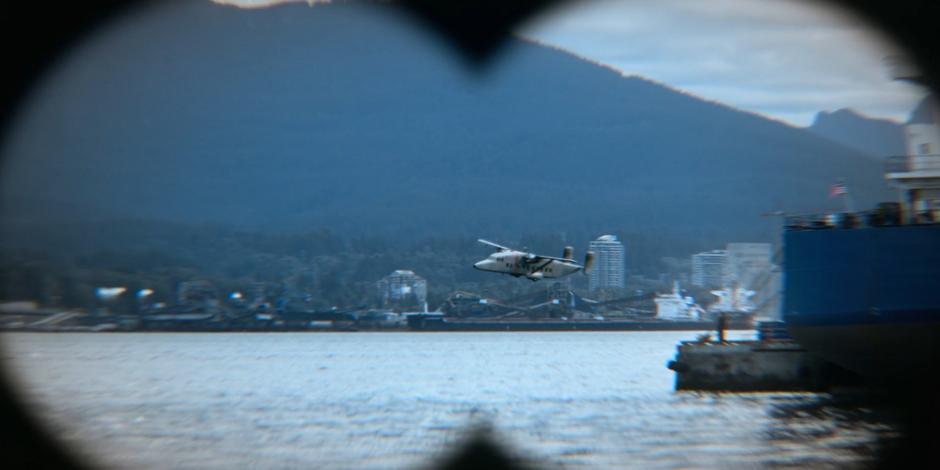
{"x": 821, "y": 221}
{"x": 912, "y": 163}
{"x": 885, "y": 215}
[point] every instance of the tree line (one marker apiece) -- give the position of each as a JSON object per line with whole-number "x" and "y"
{"x": 60, "y": 266}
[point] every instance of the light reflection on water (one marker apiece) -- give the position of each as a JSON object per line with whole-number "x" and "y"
{"x": 398, "y": 400}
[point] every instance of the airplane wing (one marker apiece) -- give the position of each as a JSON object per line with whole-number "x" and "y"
{"x": 538, "y": 257}
{"x": 494, "y": 245}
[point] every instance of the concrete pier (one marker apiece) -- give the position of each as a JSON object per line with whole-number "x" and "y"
{"x": 771, "y": 365}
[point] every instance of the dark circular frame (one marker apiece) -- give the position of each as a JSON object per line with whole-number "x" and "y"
{"x": 35, "y": 34}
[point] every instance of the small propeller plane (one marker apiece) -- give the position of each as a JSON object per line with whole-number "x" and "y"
{"x": 534, "y": 267}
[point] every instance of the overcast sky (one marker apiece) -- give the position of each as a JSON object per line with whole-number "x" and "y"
{"x": 786, "y": 59}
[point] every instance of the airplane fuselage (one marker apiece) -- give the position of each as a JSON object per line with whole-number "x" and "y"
{"x": 517, "y": 263}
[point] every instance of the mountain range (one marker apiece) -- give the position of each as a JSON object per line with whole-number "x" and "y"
{"x": 873, "y": 136}
{"x": 351, "y": 117}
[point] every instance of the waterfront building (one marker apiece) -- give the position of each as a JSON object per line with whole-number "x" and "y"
{"x": 402, "y": 288}
{"x": 746, "y": 264}
{"x": 609, "y": 263}
{"x": 708, "y": 268}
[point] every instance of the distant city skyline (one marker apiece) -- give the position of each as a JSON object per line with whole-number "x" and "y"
{"x": 747, "y": 265}
{"x": 708, "y": 268}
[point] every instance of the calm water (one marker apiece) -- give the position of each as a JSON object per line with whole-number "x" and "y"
{"x": 397, "y": 400}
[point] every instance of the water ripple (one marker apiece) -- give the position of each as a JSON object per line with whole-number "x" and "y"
{"x": 398, "y": 400}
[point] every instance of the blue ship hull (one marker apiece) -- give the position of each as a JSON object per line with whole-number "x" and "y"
{"x": 867, "y": 299}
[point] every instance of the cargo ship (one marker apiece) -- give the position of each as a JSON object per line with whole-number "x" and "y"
{"x": 862, "y": 289}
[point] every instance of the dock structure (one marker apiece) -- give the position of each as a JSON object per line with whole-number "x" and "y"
{"x": 54, "y": 319}
{"x": 767, "y": 364}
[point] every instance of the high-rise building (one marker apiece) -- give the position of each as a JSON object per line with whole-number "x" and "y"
{"x": 746, "y": 264}
{"x": 609, "y": 263}
{"x": 708, "y": 268}
{"x": 402, "y": 288}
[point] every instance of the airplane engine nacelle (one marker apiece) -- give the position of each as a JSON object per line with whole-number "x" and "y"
{"x": 588, "y": 261}
{"x": 535, "y": 276}
{"x": 568, "y": 253}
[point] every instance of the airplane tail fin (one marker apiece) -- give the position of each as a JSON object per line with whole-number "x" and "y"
{"x": 588, "y": 261}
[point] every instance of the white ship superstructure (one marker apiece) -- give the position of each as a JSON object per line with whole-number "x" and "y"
{"x": 673, "y": 306}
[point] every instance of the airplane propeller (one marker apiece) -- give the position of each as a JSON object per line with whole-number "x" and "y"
{"x": 494, "y": 245}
